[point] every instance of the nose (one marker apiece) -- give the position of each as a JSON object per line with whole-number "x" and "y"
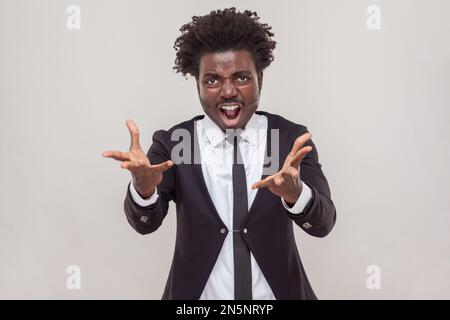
{"x": 228, "y": 89}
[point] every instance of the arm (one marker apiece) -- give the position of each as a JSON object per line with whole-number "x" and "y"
{"x": 147, "y": 219}
{"x": 319, "y": 216}
{"x": 302, "y": 168}
{"x": 148, "y": 172}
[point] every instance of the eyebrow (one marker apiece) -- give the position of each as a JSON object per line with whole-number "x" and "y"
{"x": 214, "y": 74}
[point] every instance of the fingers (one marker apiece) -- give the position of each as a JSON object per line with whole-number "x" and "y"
{"x": 299, "y": 142}
{"x": 127, "y": 165}
{"x": 163, "y": 166}
{"x": 135, "y": 164}
{"x": 264, "y": 182}
{"x": 299, "y": 156}
{"x": 117, "y": 155}
{"x": 125, "y": 156}
{"x": 277, "y": 179}
{"x": 134, "y": 133}
{"x": 292, "y": 172}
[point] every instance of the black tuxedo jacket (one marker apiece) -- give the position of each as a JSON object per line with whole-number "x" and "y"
{"x": 200, "y": 231}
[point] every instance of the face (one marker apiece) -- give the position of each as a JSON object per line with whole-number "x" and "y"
{"x": 229, "y": 87}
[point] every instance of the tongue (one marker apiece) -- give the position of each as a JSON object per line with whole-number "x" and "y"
{"x": 231, "y": 114}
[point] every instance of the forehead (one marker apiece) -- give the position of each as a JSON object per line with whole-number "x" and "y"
{"x": 227, "y": 62}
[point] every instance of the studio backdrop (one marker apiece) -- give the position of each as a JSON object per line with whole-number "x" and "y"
{"x": 370, "y": 80}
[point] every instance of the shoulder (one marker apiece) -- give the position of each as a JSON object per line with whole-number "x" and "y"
{"x": 181, "y": 129}
{"x": 286, "y": 126}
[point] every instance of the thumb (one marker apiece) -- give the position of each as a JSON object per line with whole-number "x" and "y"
{"x": 164, "y": 165}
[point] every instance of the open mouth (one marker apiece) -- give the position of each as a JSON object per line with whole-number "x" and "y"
{"x": 230, "y": 112}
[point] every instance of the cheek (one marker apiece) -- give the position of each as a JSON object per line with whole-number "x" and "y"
{"x": 205, "y": 93}
{"x": 207, "y": 97}
{"x": 251, "y": 93}
{"x": 256, "y": 96}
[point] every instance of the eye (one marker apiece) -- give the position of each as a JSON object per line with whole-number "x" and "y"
{"x": 211, "y": 81}
{"x": 243, "y": 78}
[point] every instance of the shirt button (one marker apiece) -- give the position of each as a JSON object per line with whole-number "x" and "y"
{"x": 223, "y": 230}
{"x": 245, "y": 230}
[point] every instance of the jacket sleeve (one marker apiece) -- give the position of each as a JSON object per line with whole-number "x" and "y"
{"x": 148, "y": 219}
{"x": 319, "y": 215}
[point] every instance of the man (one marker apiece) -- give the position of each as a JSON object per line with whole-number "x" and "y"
{"x": 235, "y": 235}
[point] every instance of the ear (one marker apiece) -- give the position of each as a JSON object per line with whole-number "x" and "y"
{"x": 260, "y": 80}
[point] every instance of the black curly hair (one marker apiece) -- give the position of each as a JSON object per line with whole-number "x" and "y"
{"x": 223, "y": 30}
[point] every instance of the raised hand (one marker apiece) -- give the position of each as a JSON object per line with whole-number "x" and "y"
{"x": 285, "y": 183}
{"x": 145, "y": 175}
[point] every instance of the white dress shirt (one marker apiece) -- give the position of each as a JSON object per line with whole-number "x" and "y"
{"x": 216, "y": 161}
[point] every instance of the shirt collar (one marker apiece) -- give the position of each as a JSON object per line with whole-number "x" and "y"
{"x": 215, "y": 135}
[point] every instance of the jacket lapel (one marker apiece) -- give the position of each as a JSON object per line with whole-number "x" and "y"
{"x": 196, "y": 163}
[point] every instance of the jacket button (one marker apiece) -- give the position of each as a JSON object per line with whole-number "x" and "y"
{"x": 223, "y": 230}
{"x": 144, "y": 219}
{"x": 245, "y": 230}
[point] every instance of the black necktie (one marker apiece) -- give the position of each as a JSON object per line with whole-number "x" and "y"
{"x": 242, "y": 264}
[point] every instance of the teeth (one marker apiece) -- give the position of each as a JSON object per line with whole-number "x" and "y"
{"x": 230, "y": 107}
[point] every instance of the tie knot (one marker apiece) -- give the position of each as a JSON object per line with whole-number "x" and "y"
{"x": 234, "y": 138}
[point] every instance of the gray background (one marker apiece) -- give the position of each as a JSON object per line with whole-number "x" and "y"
{"x": 376, "y": 102}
